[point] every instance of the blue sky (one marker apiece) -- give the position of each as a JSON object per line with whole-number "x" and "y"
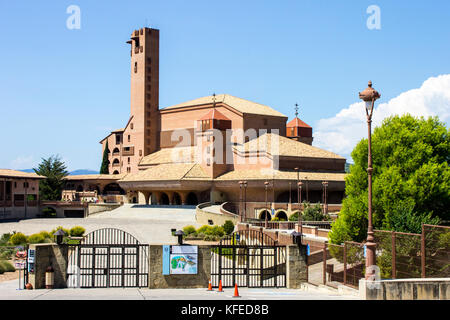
{"x": 62, "y": 90}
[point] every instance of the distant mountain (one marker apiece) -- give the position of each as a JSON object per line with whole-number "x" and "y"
{"x": 71, "y": 173}
{"x": 82, "y": 171}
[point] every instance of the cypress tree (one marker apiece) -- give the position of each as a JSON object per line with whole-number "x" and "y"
{"x": 105, "y": 162}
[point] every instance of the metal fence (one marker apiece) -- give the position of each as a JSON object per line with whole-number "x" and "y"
{"x": 332, "y": 264}
{"x": 410, "y": 255}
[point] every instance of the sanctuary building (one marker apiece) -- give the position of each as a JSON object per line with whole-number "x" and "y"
{"x": 214, "y": 149}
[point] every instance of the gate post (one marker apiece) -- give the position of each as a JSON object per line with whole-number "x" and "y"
{"x": 345, "y": 263}
{"x": 394, "y": 267}
{"x": 295, "y": 266}
{"x": 422, "y": 251}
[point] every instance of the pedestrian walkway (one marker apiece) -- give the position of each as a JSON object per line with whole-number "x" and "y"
{"x": 8, "y": 291}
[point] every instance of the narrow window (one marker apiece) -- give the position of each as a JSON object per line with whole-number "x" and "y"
{"x": 135, "y": 67}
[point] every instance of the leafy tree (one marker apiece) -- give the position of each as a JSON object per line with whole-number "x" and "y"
{"x": 411, "y": 179}
{"x": 313, "y": 213}
{"x": 55, "y": 171}
{"x": 104, "y": 169}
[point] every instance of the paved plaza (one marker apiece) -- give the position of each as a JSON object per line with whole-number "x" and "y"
{"x": 149, "y": 224}
{"x": 9, "y": 291}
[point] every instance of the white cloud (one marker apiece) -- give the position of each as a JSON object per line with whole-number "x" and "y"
{"x": 342, "y": 132}
{"x": 22, "y": 162}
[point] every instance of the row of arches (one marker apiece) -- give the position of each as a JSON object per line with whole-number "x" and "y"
{"x": 173, "y": 198}
{"x": 281, "y": 214}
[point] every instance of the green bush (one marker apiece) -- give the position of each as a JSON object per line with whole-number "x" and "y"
{"x": 6, "y": 253}
{"x": 204, "y": 229}
{"x": 77, "y": 231}
{"x": 5, "y": 238}
{"x": 7, "y": 266}
{"x": 294, "y": 217}
{"x": 46, "y": 235}
{"x": 217, "y": 231}
{"x": 228, "y": 227}
{"x": 36, "y": 238}
{"x": 66, "y": 231}
{"x": 18, "y": 238}
{"x": 189, "y": 230}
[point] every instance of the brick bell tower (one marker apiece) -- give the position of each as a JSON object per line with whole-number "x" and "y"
{"x": 144, "y": 93}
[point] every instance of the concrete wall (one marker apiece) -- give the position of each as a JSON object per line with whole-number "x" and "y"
{"x": 102, "y": 207}
{"x": 406, "y": 289}
{"x": 202, "y": 217}
{"x": 49, "y": 254}
{"x": 159, "y": 281}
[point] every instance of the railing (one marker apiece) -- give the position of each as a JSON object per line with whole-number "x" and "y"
{"x": 289, "y": 224}
{"x": 19, "y": 203}
{"x": 32, "y": 203}
{"x": 128, "y": 152}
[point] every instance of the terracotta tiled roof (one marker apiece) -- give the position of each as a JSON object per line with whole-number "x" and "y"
{"x": 239, "y": 104}
{"x": 170, "y": 155}
{"x": 169, "y": 172}
{"x": 96, "y": 176}
{"x": 296, "y": 122}
{"x": 277, "y": 145}
{"x": 8, "y": 173}
{"x": 280, "y": 175}
{"x": 214, "y": 114}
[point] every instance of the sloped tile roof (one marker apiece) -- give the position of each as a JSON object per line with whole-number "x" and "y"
{"x": 19, "y": 174}
{"x": 277, "y": 145}
{"x": 241, "y": 105}
{"x": 168, "y": 172}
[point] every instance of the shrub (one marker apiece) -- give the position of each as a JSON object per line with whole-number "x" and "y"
{"x": 7, "y": 266}
{"x": 6, "y": 253}
{"x": 77, "y": 231}
{"x": 5, "y": 238}
{"x": 294, "y": 217}
{"x": 210, "y": 238}
{"x": 46, "y": 235}
{"x": 188, "y": 230}
{"x": 36, "y": 238}
{"x": 275, "y": 219}
{"x": 18, "y": 238}
{"x": 204, "y": 229}
{"x": 66, "y": 231}
{"x": 228, "y": 227}
{"x": 217, "y": 231}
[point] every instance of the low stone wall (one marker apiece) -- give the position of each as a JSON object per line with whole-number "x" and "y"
{"x": 159, "y": 281}
{"x": 46, "y": 255}
{"x": 203, "y": 217}
{"x": 406, "y": 289}
{"x": 102, "y": 207}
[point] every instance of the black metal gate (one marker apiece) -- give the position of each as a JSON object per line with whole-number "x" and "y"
{"x": 108, "y": 258}
{"x": 248, "y": 258}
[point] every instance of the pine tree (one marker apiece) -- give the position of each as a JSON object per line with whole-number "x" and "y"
{"x": 104, "y": 169}
{"x": 55, "y": 170}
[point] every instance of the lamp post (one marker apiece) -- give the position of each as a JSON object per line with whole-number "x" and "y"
{"x": 324, "y": 197}
{"x": 245, "y": 201}
{"x": 266, "y": 223}
{"x": 369, "y": 95}
{"x": 300, "y": 223}
{"x": 240, "y": 200}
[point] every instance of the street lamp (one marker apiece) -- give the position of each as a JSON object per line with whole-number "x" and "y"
{"x": 245, "y": 201}
{"x": 300, "y": 223}
{"x": 369, "y": 95}
{"x": 266, "y": 224}
{"x": 324, "y": 197}
{"x": 240, "y": 200}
